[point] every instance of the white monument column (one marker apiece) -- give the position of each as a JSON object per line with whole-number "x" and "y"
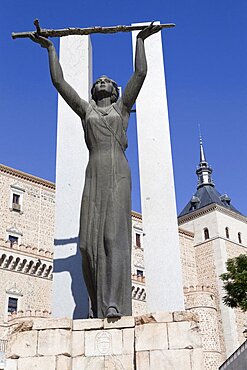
{"x": 161, "y": 244}
{"x": 69, "y": 293}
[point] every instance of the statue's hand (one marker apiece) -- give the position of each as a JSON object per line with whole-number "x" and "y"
{"x": 43, "y": 41}
{"x": 148, "y": 31}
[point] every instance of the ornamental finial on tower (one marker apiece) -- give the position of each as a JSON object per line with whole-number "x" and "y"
{"x": 202, "y": 155}
{"x": 203, "y": 171}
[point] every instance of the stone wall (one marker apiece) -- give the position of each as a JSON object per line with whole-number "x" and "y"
{"x": 211, "y": 255}
{"x": 188, "y": 258}
{"x": 34, "y": 293}
{"x": 35, "y": 219}
{"x": 201, "y": 301}
{"x": 26, "y": 265}
{"x": 157, "y": 341}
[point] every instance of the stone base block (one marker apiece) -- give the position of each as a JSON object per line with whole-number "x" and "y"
{"x": 149, "y": 342}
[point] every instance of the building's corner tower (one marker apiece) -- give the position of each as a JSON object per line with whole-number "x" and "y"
{"x": 201, "y": 300}
{"x": 220, "y": 232}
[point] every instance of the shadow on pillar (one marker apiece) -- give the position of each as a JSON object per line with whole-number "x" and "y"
{"x": 73, "y": 265}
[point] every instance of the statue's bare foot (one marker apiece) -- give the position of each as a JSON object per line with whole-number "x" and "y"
{"x": 112, "y": 312}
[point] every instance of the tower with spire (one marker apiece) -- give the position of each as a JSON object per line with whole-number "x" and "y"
{"x": 203, "y": 171}
{"x": 219, "y": 232}
{"x": 206, "y": 193}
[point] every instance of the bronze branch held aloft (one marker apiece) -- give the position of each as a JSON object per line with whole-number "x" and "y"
{"x": 81, "y": 31}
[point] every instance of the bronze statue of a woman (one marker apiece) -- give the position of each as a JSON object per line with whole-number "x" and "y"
{"x": 105, "y": 222}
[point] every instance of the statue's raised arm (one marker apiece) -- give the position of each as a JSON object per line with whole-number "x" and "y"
{"x": 78, "y": 105}
{"x": 135, "y": 83}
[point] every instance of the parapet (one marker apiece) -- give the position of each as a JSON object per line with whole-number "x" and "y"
{"x": 28, "y": 314}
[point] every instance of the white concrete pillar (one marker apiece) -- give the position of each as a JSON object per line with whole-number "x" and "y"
{"x": 161, "y": 243}
{"x": 69, "y": 293}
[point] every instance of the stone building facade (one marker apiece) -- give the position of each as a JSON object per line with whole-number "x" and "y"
{"x": 26, "y": 244}
{"x": 219, "y": 232}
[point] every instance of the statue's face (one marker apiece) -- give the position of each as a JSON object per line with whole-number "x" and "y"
{"x": 103, "y": 87}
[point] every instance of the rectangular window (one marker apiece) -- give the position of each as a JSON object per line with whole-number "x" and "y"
{"x": 138, "y": 240}
{"x": 139, "y": 272}
{"x": 12, "y": 304}
{"x": 16, "y": 198}
{"x": 16, "y": 205}
{"x": 13, "y": 240}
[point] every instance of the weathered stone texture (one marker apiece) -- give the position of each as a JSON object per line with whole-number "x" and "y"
{"x": 89, "y": 363}
{"x": 38, "y": 363}
{"x": 63, "y": 363}
{"x": 212, "y": 361}
{"x": 241, "y": 320}
{"x": 11, "y": 364}
{"x": 52, "y": 323}
{"x": 138, "y": 307}
{"x": 35, "y": 292}
{"x": 188, "y": 258}
{"x": 206, "y": 271}
{"x": 142, "y": 360}
{"x": 148, "y": 346}
{"x": 183, "y": 335}
{"x": 172, "y": 360}
{"x": 78, "y": 343}
{"x": 197, "y": 359}
{"x": 22, "y": 344}
{"x": 119, "y": 362}
{"x": 103, "y": 342}
{"x": 151, "y": 337}
{"x": 36, "y": 220}
{"x": 88, "y": 324}
{"x": 54, "y": 342}
{"x": 207, "y": 276}
{"x": 202, "y": 303}
{"x": 128, "y": 340}
{"x": 26, "y": 267}
{"x": 123, "y": 322}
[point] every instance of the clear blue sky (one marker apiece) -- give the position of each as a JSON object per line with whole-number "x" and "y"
{"x": 206, "y": 74}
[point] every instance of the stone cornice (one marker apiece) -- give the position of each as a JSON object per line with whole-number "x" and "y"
{"x": 209, "y": 241}
{"x": 137, "y": 215}
{"x": 208, "y": 209}
{"x": 27, "y": 177}
{"x": 185, "y": 232}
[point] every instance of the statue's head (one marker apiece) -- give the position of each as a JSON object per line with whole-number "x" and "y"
{"x": 104, "y": 86}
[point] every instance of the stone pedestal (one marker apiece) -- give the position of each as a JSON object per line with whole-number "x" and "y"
{"x": 155, "y": 341}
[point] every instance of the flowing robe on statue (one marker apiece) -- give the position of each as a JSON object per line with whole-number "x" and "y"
{"x": 105, "y": 223}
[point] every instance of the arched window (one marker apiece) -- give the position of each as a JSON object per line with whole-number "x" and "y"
{"x": 239, "y": 238}
{"x": 227, "y": 232}
{"x": 206, "y": 233}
